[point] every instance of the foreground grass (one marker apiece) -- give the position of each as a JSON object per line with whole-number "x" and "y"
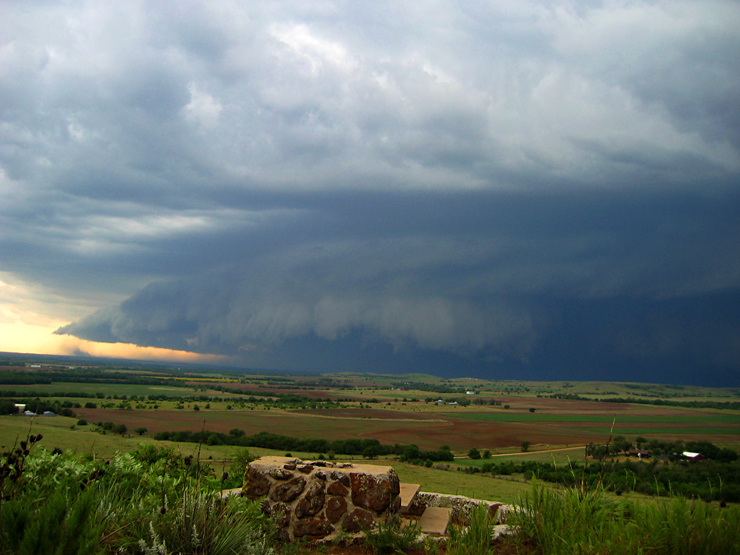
{"x": 570, "y": 521}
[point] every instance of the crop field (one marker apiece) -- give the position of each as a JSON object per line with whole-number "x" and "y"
{"x": 557, "y": 420}
{"x": 414, "y": 409}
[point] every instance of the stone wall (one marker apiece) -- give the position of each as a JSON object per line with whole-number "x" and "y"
{"x": 320, "y": 500}
{"x": 460, "y": 505}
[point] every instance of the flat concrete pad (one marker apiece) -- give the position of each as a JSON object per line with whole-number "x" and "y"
{"x": 408, "y": 493}
{"x": 435, "y": 520}
{"x": 227, "y": 492}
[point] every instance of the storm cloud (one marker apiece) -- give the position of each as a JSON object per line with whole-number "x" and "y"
{"x": 497, "y": 189}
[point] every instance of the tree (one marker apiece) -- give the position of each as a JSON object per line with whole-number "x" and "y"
{"x": 371, "y": 452}
{"x": 487, "y": 454}
{"x": 411, "y": 452}
{"x": 525, "y": 445}
{"x": 141, "y": 431}
{"x": 531, "y": 409}
{"x": 474, "y": 453}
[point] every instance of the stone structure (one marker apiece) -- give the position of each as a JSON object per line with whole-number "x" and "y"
{"x": 460, "y": 505}
{"x": 320, "y": 500}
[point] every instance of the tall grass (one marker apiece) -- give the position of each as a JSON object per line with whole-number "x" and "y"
{"x": 476, "y": 538}
{"x": 153, "y": 502}
{"x": 392, "y": 537}
{"x": 573, "y": 522}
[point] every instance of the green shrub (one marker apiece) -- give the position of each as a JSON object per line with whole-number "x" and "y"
{"x": 391, "y": 537}
{"x": 475, "y": 539}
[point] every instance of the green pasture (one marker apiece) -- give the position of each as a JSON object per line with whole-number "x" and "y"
{"x": 451, "y": 482}
{"x": 705, "y": 432}
{"x": 559, "y": 456}
{"x": 107, "y": 389}
{"x": 689, "y": 417}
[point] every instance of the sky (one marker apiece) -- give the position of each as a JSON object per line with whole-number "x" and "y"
{"x": 499, "y": 189}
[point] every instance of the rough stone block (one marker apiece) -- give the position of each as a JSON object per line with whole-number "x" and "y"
{"x": 288, "y": 491}
{"x": 312, "y": 502}
{"x": 373, "y": 491}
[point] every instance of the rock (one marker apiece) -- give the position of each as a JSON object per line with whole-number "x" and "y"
{"x": 358, "y": 520}
{"x": 280, "y": 474}
{"x": 288, "y": 491}
{"x": 313, "y": 528}
{"x": 289, "y": 466}
{"x": 374, "y": 492}
{"x": 312, "y": 501}
{"x": 306, "y": 468}
{"x": 337, "y": 488}
{"x": 320, "y": 475}
{"x": 256, "y": 484}
{"x": 280, "y": 514}
{"x": 335, "y": 509}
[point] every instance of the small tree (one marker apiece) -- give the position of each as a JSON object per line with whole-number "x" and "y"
{"x": 474, "y": 453}
{"x": 531, "y": 409}
{"x": 525, "y": 445}
{"x": 141, "y": 431}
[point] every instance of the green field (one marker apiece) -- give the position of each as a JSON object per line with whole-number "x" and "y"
{"x": 689, "y": 416}
{"x": 393, "y": 409}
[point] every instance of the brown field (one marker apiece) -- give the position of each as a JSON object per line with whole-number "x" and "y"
{"x": 425, "y": 428}
{"x": 402, "y": 415}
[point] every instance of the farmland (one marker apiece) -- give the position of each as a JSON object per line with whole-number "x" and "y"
{"x": 556, "y": 419}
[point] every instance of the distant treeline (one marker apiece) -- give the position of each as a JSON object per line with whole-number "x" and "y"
{"x": 421, "y": 386}
{"x": 83, "y": 376}
{"x": 254, "y": 397}
{"x": 368, "y": 448}
{"x": 708, "y": 480}
{"x": 730, "y": 405}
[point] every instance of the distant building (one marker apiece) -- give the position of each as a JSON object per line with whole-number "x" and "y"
{"x": 639, "y": 453}
{"x": 470, "y": 393}
{"x": 49, "y": 413}
{"x": 21, "y": 407}
{"x": 29, "y": 413}
{"x": 689, "y": 456}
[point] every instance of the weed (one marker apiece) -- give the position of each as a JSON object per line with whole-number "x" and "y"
{"x": 475, "y": 539}
{"x": 391, "y": 537}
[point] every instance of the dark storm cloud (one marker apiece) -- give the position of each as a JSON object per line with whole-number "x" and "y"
{"x": 286, "y": 179}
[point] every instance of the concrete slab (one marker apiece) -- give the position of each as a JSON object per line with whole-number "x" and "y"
{"x": 435, "y": 520}
{"x": 408, "y": 493}
{"x": 227, "y": 492}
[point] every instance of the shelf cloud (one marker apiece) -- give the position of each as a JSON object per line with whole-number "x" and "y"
{"x": 534, "y": 189}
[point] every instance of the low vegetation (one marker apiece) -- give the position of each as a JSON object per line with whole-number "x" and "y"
{"x": 151, "y": 501}
{"x": 589, "y": 522}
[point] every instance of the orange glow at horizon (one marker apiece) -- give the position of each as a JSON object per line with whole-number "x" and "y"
{"x": 37, "y": 338}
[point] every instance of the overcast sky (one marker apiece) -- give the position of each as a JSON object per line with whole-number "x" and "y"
{"x": 498, "y": 189}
